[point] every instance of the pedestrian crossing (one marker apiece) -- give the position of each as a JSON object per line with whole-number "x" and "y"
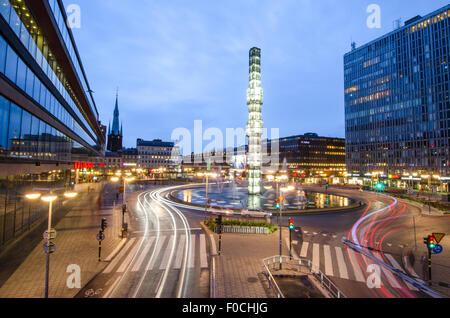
{"x": 156, "y": 252}
{"x": 342, "y": 262}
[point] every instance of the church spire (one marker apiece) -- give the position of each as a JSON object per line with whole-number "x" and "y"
{"x": 115, "y": 126}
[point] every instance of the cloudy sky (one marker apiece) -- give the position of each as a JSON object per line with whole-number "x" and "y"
{"x": 177, "y": 61}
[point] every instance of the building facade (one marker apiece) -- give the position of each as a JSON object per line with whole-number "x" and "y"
{"x": 47, "y": 114}
{"x": 397, "y": 104}
{"x": 157, "y": 154}
{"x": 310, "y": 155}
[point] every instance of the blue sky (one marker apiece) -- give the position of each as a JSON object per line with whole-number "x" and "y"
{"x": 178, "y": 61}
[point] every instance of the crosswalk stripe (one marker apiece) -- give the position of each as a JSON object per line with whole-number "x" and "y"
{"x": 203, "y": 257}
{"x": 180, "y": 253}
{"x": 144, "y": 253}
{"x": 356, "y": 269}
{"x": 392, "y": 281}
{"x": 341, "y": 263}
{"x": 192, "y": 258}
{"x": 304, "y": 251}
{"x": 328, "y": 260}
{"x": 129, "y": 257}
{"x": 397, "y": 266}
{"x": 213, "y": 247}
{"x": 166, "y": 256}
{"x": 158, "y": 248}
{"x": 316, "y": 258}
{"x": 116, "y": 260}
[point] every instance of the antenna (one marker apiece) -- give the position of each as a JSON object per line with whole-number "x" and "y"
{"x": 397, "y": 24}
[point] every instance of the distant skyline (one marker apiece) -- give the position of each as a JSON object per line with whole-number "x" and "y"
{"x": 176, "y": 61}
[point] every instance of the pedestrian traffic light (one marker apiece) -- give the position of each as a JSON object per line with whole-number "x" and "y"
{"x": 104, "y": 224}
{"x": 277, "y": 204}
{"x": 380, "y": 186}
{"x": 291, "y": 224}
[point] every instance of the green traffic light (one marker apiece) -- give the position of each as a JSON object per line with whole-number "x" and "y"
{"x": 380, "y": 186}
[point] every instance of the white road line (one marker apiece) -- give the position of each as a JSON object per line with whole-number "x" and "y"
{"x": 304, "y": 251}
{"x": 116, "y": 260}
{"x": 144, "y": 253}
{"x": 179, "y": 259}
{"x": 341, "y": 263}
{"x": 203, "y": 257}
{"x": 213, "y": 245}
{"x": 392, "y": 281}
{"x": 166, "y": 256}
{"x": 397, "y": 266}
{"x": 129, "y": 257}
{"x": 328, "y": 260}
{"x": 192, "y": 258}
{"x": 111, "y": 256}
{"x": 158, "y": 248}
{"x": 316, "y": 258}
{"x": 356, "y": 269}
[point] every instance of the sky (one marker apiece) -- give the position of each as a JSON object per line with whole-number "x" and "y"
{"x": 178, "y": 61}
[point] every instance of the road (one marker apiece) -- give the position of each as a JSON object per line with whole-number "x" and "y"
{"x": 384, "y": 228}
{"x": 164, "y": 256}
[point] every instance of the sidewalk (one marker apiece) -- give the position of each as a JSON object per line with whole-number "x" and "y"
{"x": 76, "y": 243}
{"x": 239, "y": 268}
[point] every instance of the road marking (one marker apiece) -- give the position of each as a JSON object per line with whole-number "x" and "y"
{"x": 192, "y": 256}
{"x": 328, "y": 260}
{"x": 397, "y": 266}
{"x": 304, "y": 251}
{"x": 116, "y": 260}
{"x": 180, "y": 254}
{"x": 306, "y": 232}
{"x": 203, "y": 257}
{"x": 143, "y": 254}
{"x": 316, "y": 258}
{"x": 106, "y": 295}
{"x": 156, "y": 252}
{"x": 295, "y": 242}
{"x": 166, "y": 256}
{"x": 129, "y": 257}
{"x": 111, "y": 256}
{"x": 324, "y": 235}
{"x": 341, "y": 263}
{"x": 213, "y": 245}
{"x": 356, "y": 269}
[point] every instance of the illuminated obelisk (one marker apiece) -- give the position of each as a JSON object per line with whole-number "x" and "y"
{"x": 254, "y": 130}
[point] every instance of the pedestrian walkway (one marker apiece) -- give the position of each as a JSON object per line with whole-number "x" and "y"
{"x": 76, "y": 244}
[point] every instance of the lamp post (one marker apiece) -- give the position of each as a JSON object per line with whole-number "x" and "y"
{"x": 124, "y": 204}
{"x": 50, "y": 234}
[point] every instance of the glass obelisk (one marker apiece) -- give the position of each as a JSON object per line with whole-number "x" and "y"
{"x": 254, "y": 130}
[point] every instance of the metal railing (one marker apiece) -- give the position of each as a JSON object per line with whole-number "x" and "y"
{"x": 243, "y": 229}
{"x": 300, "y": 265}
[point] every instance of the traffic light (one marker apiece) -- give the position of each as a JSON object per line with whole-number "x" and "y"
{"x": 291, "y": 224}
{"x": 277, "y": 204}
{"x": 430, "y": 241}
{"x": 380, "y": 186}
{"x": 104, "y": 224}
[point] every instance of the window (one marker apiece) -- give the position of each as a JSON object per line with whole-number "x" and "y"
{"x": 4, "y": 116}
{"x": 3, "y": 47}
{"x": 21, "y": 74}
{"x": 15, "y": 118}
{"x": 11, "y": 64}
{"x": 5, "y": 8}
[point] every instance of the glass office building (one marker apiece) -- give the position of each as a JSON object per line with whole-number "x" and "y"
{"x": 397, "y": 106}
{"x": 47, "y": 113}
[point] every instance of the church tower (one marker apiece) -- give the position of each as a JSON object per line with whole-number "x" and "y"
{"x": 115, "y": 134}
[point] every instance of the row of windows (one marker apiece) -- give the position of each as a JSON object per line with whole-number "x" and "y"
{"x": 18, "y": 72}
{"x": 62, "y": 25}
{"x": 30, "y": 36}
{"x": 24, "y": 136}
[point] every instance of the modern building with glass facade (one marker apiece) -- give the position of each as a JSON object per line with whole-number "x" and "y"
{"x": 49, "y": 124}
{"x": 48, "y": 116}
{"x": 397, "y": 105}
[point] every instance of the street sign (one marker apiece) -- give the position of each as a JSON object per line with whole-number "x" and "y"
{"x": 438, "y": 249}
{"x": 50, "y": 250}
{"x": 100, "y": 237}
{"x": 438, "y": 237}
{"x": 52, "y": 235}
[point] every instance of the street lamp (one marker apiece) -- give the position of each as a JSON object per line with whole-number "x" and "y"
{"x": 50, "y": 233}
